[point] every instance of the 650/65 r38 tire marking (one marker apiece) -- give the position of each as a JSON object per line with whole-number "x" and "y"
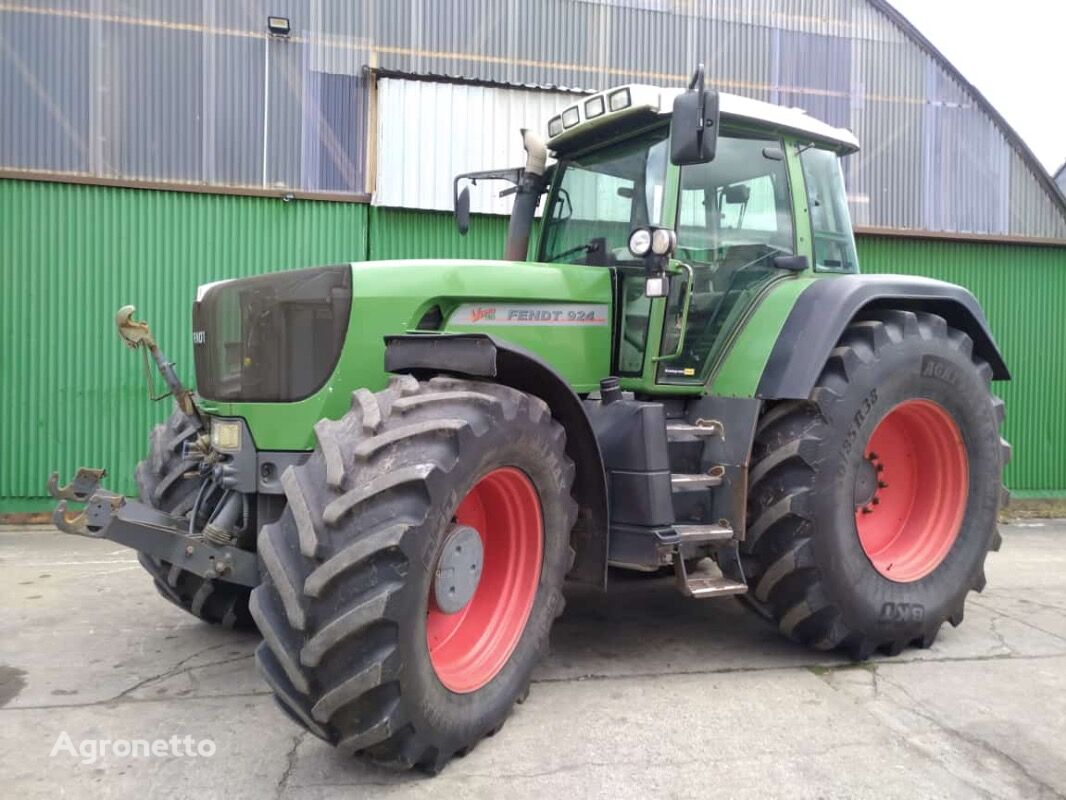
{"x": 873, "y": 504}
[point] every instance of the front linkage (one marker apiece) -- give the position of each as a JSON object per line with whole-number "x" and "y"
{"x": 161, "y": 536}
{"x": 107, "y": 515}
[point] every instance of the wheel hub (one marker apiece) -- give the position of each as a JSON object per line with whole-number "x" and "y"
{"x": 866, "y": 482}
{"x": 459, "y": 569}
{"x": 911, "y": 490}
{"x": 469, "y": 646}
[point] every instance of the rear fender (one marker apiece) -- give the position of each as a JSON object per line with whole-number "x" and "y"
{"x": 827, "y": 307}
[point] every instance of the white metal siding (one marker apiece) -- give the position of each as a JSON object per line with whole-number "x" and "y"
{"x": 430, "y": 132}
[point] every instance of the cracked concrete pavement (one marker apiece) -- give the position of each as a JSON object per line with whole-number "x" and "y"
{"x": 646, "y": 693}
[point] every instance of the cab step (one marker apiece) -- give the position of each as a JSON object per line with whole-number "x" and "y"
{"x": 700, "y": 587}
{"x": 702, "y": 534}
{"x": 680, "y": 481}
{"x": 701, "y": 584}
{"x": 686, "y": 430}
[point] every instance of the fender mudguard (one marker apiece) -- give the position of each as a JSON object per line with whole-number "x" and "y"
{"x": 826, "y": 307}
{"x": 483, "y": 356}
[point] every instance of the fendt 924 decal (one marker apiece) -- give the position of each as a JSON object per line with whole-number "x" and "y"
{"x": 530, "y": 314}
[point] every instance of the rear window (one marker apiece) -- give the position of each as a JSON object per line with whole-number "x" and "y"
{"x": 834, "y": 244}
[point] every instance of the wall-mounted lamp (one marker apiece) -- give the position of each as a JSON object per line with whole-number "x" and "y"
{"x": 279, "y": 26}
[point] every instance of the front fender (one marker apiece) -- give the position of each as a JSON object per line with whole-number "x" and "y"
{"x": 482, "y": 356}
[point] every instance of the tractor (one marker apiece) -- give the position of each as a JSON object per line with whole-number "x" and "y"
{"x": 391, "y": 468}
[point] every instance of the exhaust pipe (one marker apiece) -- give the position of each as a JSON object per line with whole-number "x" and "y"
{"x": 527, "y": 195}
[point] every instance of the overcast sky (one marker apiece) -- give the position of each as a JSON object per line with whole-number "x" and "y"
{"x": 1014, "y": 53}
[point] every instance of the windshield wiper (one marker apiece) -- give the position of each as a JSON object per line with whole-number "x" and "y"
{"x": 772, "y": 251}
{"x": 588, "y": 248}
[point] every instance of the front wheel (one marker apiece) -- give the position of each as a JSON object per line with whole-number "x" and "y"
{"x": 163, "y": 482}
{"x": 874, "y": 504}
{"x": 409, "y": 587}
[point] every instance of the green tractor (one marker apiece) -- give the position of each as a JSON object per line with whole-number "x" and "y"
{"x": 391, "y": 468}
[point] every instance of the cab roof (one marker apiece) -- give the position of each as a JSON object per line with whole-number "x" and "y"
{"x": 593, "y": 118}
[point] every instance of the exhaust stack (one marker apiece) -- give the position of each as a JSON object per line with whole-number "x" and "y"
{"x": 527, "y": 195}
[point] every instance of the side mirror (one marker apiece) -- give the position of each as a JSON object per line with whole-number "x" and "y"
{"x": 462, "y": 211}
{"x": 694, "y": 127}
{"x": 792, "y": 263}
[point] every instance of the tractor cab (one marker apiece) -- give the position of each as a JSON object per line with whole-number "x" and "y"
{"x": 763, "y": 203}
{"x": 699, "y": 203}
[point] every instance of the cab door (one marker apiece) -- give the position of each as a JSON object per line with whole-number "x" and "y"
{"x": 734, "y": 217}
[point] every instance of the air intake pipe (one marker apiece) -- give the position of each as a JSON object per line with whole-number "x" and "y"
{"x": 527, "y": 195}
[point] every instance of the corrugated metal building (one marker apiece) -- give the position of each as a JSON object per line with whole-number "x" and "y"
{"x": 145, "y": 148}
{"x": 1060, "y": 178}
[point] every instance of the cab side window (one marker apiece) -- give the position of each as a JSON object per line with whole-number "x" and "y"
{"x": 750, "y": 205}
{"x": 834, "y": 243}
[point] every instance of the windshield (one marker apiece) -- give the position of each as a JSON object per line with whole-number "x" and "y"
{"x": 599, "y": 198}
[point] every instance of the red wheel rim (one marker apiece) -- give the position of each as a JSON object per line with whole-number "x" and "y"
{"x": 913, "y": 517}
{"x": 468, "y": 648}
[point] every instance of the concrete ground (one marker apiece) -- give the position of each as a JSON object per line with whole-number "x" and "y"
{"x": 646, "y": 693}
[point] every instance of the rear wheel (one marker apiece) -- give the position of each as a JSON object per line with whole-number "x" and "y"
{"x": 874, "y": 504}
{"x": 409, "y": 587}
{"x": 162, "y": 483}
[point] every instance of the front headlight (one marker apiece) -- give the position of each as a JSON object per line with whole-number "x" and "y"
{"x": 663, "y": 242}
{"x": 225, "y": 435}
{"x": 640, "y": 242}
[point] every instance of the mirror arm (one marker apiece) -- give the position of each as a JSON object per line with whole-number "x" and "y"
{"x": 698, "y": 79}
{"x": 511, "y": 175}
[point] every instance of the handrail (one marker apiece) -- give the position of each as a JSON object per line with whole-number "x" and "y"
{"x": 684, "y": 317}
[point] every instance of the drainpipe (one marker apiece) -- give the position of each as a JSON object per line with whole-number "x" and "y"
{"x": 527, "y": 195}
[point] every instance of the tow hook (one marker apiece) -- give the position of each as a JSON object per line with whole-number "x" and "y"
{"x": 100, "y": 504}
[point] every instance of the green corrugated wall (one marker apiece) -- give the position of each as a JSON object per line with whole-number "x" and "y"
{"x": 404, "y": 233}
{"x": 1022, "y": 289}
{"x": 71, "y": 255}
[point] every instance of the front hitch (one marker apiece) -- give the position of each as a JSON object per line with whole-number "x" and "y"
{"x": 100, "y": 504}
{"x": 111, "y": 516}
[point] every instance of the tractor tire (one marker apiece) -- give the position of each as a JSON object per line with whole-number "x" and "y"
{"x": 357, "y": 645}
{"x": 162, "y": 485}
{"x": 873, "y": 505}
